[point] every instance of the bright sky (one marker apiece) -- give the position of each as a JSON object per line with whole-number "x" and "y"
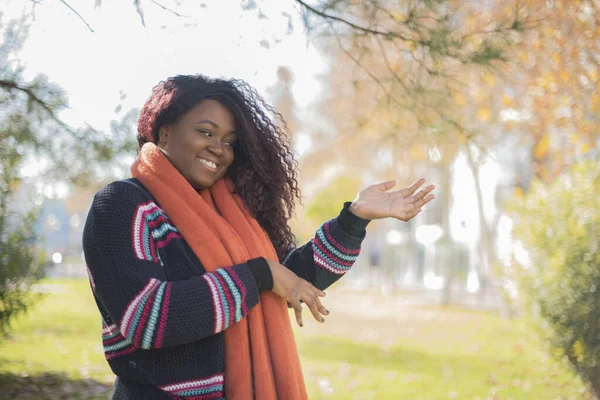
{"x": 220, "y": 40}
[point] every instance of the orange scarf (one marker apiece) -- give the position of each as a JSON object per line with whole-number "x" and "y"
{"x": 261, "y": 359}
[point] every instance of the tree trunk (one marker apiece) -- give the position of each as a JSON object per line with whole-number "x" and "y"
{"x": 486, "y": 249}
{"x": 447, "y": 248}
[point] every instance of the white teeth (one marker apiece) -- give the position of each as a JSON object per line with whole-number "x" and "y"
{"x": 209, "y": 163}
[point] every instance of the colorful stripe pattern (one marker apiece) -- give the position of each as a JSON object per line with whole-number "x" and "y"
{"x": 228, "y": 295}
{"x": 329, "y": 254}
{"x": 152, "y": 229}
{"x": 200, "y": 389}
{"x": 114, "y": 343}
{"x": 145, "y": 318}
{"x": 90, "y": 278}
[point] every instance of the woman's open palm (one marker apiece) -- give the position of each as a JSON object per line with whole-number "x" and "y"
{"x": 376, "y": 201}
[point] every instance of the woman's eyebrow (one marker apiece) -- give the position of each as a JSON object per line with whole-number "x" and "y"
{"x": 207, "y": 121}
{"x": 214, "y": 125}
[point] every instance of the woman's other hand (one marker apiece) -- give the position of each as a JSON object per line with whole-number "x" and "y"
{"x": 296, "y": 290}
{"x": 375, "y": 202}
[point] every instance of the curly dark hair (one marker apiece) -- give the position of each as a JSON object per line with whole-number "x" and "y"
{"x": 264, "y": 169}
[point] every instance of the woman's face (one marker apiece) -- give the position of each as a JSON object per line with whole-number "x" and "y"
{"x": 200, "y": 143}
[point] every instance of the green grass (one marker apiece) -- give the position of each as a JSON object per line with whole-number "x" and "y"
{"x": 424, "y": 353}
{"x": 57, "y": 346}
{"x": 451, "y": 354}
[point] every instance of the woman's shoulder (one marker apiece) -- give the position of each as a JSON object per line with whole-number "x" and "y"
{"x": 122, "y": 192}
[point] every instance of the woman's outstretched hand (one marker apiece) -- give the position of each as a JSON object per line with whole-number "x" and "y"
{"x": 294, "y": 290}
{"x": 375, "y": 202}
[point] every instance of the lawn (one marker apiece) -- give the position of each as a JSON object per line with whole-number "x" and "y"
{"x": 369, "y": 348}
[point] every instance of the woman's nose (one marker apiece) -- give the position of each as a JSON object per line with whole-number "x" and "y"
{"x": 216, "y": 147}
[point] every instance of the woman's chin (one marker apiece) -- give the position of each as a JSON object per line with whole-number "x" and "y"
{"x": 201, "y": 183}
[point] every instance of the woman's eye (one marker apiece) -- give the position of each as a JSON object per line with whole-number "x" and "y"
{"x": 205, "y": 133}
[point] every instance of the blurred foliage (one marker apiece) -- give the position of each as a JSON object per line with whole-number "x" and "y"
{"x": 31, "y": 133}
{"x": 398, "y": 107}
{"x": 414, "y": 51}
{"x": 327, "y": 202}
{"x": 19, "y": 266}
{"x": 559, "y": 226}
{"x": 541, "y": 93}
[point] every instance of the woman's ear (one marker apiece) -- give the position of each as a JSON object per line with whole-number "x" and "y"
{"x": 163, "y": 135}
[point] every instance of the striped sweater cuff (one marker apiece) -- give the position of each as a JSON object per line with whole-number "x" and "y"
{"x": 262, "y": 273}
{"x": 352, "y": 224}
{"x": 233, "y": 292}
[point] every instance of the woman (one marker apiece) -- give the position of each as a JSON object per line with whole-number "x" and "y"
{"x": 192, "y": 261}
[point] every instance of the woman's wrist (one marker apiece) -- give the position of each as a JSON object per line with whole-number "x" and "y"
{"x": 353, "y": 208}
{"x": 260, "y": 269}
{"x": 351, "y": 223}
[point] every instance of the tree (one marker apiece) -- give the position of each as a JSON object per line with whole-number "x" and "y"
{"x": 31, "y": 132}
{"x": 19, "y": 263}
{"x": 396, "y": 71}
{"x": 559, "y": 226}
{"x": 464, "y": 77}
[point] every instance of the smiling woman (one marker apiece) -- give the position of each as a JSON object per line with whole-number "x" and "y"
{"x": 192, "y": 262}
{"x": 200, "y": 144}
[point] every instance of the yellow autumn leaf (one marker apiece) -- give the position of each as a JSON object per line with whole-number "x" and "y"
{"x": 578, "y": 349}
{"x": 398, "y": 16}
{"x": 417, "y": 152}
{"x": 490, "y": 80}
{"x": 595, "y": 101}
{"x": 484, "y": 114}
{"x": 546, "y": 80}
{"x": 575, "y": 138}
{"x": 507, "y": 100}
{"x": 556, "y": 58}
{"x": 524, "y": 57}
{"x": 470, "y": 22}
{"x": 585, "y": 147}
{"x": 541, "y": 148}
{"x": 547, "y": 30}
{"x": 518, "y": 192}
{"x": 14, "y": 185}
{"x": 459, "y": 99}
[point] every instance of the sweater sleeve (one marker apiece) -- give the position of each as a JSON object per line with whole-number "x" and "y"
{"x": 121, "y": 236}
{"x": 332, "y": 252}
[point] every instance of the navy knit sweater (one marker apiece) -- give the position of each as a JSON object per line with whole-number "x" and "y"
{"x": 163, "y": 315}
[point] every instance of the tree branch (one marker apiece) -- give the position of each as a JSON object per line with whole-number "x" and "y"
{"x": 170, "y": 10}
{"x": 353, "y": 25}
{"x": 12, "y": 85}
{"x": 138, "y": 8}
{"x": 79, "y": 15}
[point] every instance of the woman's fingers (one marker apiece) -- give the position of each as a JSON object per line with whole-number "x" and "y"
{"x": 308, "y": 294}
{"x": 421, "y": 194}
{"x": 412, "y": 188}
{"x": 294, "y": 300}
{"x": 310, "y": 299}
{"x": 321, "y": 307}
{"x": 421, "y": 202}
